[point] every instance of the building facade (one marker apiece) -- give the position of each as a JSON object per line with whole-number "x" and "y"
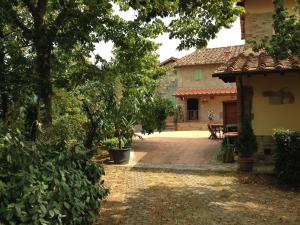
{"x": 268, "y": 89}
{"x": 200, "y": 98}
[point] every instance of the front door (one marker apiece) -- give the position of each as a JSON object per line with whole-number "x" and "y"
{"x": 192, "y": 109}
{"x": 230, "y": 112}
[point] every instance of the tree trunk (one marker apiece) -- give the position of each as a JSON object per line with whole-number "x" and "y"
{"x": 43, "y": 50}
{"x": 92, "y": 127}
{"x": 4, "y": 95}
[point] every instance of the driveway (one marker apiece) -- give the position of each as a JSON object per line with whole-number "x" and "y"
{"x": 192, "y": 148}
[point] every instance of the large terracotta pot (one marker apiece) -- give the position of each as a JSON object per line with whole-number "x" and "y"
{"x": 120, "y": 156}
{"x": 246, "y": 163}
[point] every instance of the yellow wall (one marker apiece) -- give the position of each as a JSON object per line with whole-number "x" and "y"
{"x": 268, "y": 116}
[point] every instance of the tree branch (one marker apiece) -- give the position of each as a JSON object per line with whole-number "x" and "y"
{"x": 59, "y": 20}
{"x": 15, "y": 20}
{"x": 32, "y": 9}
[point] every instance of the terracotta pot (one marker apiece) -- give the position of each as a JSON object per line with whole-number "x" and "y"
{"x": 246, "y": 163}
{"x": 120, "y": 156}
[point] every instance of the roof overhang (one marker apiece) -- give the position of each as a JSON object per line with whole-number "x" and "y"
{"x": 204, "y": 91}
{"x": 230, "y": 76}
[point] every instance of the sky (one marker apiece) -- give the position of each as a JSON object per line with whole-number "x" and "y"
{"x": 226, "y": 37}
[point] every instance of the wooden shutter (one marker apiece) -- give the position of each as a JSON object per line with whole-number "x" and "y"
{"x": 198, "y": 74}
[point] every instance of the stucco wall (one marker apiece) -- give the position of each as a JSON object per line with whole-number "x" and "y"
{"x": 268, "y": 115}
{"x": 214, "y": 103}
{"x": 186, "y": 77}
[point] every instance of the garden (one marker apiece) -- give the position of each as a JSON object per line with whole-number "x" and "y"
{"x": 60, "y": 102}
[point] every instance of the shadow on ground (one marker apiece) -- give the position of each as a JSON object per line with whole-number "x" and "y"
{"x": 158, "y": 197}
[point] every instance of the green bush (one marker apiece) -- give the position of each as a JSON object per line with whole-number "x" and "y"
{"x": 246, "y": 142}
{"x": 226, "y": 154}
{"x": 45, "y": 183}
{"x": 287, "y": 157}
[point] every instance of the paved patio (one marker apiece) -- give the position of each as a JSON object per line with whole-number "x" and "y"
{"x": 167, "y": 197}
{"x": 192, "y": 148}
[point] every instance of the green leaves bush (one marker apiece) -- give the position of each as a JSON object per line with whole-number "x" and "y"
{"x": 46, "y": 183}
{"x": 287, "y": 161}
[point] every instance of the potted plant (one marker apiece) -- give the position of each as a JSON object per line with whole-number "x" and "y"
{"x": 226, "y": 154}
{"x": 246, "y": 146}
{"x": 121, "y": 147}
{"x": 210, "y": 116}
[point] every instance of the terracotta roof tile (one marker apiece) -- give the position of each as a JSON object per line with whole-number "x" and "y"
{"x": 257, "y": 63}
{"x": 204, "y": 91}
{"x": 206, "y": 56}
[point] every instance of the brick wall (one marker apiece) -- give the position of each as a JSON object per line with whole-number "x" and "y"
{"x": 258, "y": 25}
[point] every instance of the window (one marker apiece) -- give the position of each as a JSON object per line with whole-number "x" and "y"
{"x": 198, "y": 74}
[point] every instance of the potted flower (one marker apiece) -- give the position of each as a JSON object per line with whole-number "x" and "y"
{"x": 246, "y": 146}
{"x": 210, "y": 115}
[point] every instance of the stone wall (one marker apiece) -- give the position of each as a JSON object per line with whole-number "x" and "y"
{"x": 191, "y": 126}
{"x": 186, "y": 77}
{"x": 266, "y": 149}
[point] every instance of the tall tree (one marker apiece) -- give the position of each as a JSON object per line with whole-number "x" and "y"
{"x": 52, "y": 24}
{"x": 49, "y": 24}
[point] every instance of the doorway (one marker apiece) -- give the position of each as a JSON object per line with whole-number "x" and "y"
{"x": 192, "y": 109}
{"x": 230, "y": 112}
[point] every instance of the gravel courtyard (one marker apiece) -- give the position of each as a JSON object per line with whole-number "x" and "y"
{"x": 168, "y": 197}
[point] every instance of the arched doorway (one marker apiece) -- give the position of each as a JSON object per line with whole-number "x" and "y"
{"x": 192, "y": 109}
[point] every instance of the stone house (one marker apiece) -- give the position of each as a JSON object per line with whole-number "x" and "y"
{"x": 268, "y": 89}
{"x": 190, "y": 85}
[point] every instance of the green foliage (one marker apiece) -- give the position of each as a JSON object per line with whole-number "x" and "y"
{"x": 226, "y": 153}
{"x": 154, "y": 114}
{"x": 287, "y": 161}
{"x": 193, "y": 22}
{"x": 69, "y": 120}
{"x": 44, "y": 183}
{"x": 110, "y": 143}
{"x": 246, "y": 142}
{"x": 286, "y": 38}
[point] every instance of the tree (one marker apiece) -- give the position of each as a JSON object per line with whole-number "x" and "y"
{"x": 49, "y": 25}
{"x": 286, "y": 37}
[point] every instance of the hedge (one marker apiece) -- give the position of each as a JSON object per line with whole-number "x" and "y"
{"x": 48, "y": 183}
{"x": 287, "y": 161}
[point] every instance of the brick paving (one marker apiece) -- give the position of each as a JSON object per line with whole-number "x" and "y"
{"x": 168, "y": 197}
{"x": 191, "y": 148}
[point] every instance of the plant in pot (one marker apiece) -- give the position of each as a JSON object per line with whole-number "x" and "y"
{"x": 121, "y": 147}
{"x": 210, "y": 116}
{"x": 246, "y": 146}
{"x": 226, "y": 154}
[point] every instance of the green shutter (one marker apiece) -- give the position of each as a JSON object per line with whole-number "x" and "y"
{"x": 198, "y": 74}
{"x": 171, "y": 90}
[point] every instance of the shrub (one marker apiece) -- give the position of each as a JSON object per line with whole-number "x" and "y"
{"x": 287, "y": 156}
{"x": 226, "y": 154}
{"x": 246, "y": 142}
{"x": 46, "y": 183}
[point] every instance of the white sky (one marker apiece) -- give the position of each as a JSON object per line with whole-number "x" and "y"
{"x": 226, "y": 37}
